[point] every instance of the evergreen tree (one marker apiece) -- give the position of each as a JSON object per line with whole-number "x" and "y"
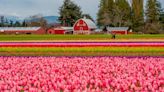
{"x": 137, "y": 15}
{"x": 17, "y": 24}
{"x": 153, "y": 10}
{"x": 69, "y": 13}
{"x": 100, "y": 18}
{"x": 161, "y": 18}
{"x": 88, "y": 17}
{"x": 11, "y": 23}
{"x": 24, "y": 24}
{"x": 6, "y": 23}
{"x": 2, "y": 21}
{"x": 105, "y": 14}
{"x": 122, "y": 13}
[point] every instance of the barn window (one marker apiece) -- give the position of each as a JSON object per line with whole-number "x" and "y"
{"x": 78, "y": 24}
{"x": 81, "y": 24}
{"x": 84, "y": 24}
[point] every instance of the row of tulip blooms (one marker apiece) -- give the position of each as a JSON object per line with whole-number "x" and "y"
{"x": 81, "y": 44}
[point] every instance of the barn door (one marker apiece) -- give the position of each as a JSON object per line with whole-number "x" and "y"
{"x": 81, "y": 28}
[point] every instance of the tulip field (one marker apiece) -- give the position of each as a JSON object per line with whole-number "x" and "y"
{"x": 81, "y": 63}
{"x": 82, "y": 74}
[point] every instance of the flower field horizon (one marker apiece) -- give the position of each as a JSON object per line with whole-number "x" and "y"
{"x": 81, "y": 74}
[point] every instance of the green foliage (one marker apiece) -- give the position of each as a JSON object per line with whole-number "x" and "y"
{"x": 122, "y": 13}
{"x": 114, "y": 13}
{"x": 69, "y": 13}
{"x": 152, "y": 28}
{"x": 153, "y": 11}
{"x": 17, "y": 24}
{"x": 88, "y": 17}
{"x": 161, "y": 17}
{"x": 11, "y": 23}
{"x": 24, "y": 24}
{"x": 106, "y": 13}
{"x": 137, "y": 15}
{"x": 2, "y": 20}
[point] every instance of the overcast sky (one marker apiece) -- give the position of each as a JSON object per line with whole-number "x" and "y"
{"x": 25, "y": 8}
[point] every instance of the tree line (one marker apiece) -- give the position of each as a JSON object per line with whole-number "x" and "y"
{"x": 120, "y": 13}
{"x": 4, "y": 22}
{"x": 32, "y": 21}
{"x": 132, "y": 14}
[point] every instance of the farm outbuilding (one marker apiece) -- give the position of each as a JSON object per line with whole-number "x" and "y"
{"x": 119, "y": 30}
{"x": 22, "y": 30}
{"x": 84, "y": 26}
{"x": 60, "y": 30}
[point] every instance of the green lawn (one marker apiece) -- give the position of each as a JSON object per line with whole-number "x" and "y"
{"x": 77, "y": 37}
{"x": 83, "y": 51}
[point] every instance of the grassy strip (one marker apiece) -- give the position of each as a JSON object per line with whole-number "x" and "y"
{"x": 77, "y": 37}
{"x": 80, "y": 54}
{"x": 88, "y": 51}
{"x": 82, "y": 49}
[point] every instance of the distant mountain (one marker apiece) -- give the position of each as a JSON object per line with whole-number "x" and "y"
{"x": 50, "y": 19}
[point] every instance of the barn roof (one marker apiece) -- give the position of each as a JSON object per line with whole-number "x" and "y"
{"x": 64, "y": 28}
{"x": 117, "y": 28}
{"x": 19, "y": 28}
{"x": 89, "y": 22}
{"x": 58, "y": 28}
{"x": 67, "y": 28}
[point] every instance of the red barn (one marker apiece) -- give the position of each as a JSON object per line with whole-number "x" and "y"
{"x": 22, "y": 30}
{"x": 84, "y": 26}
{"x": 118, "y": 30}
{"x": 60, "y": 30}
{"x": 56, "y": 31}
